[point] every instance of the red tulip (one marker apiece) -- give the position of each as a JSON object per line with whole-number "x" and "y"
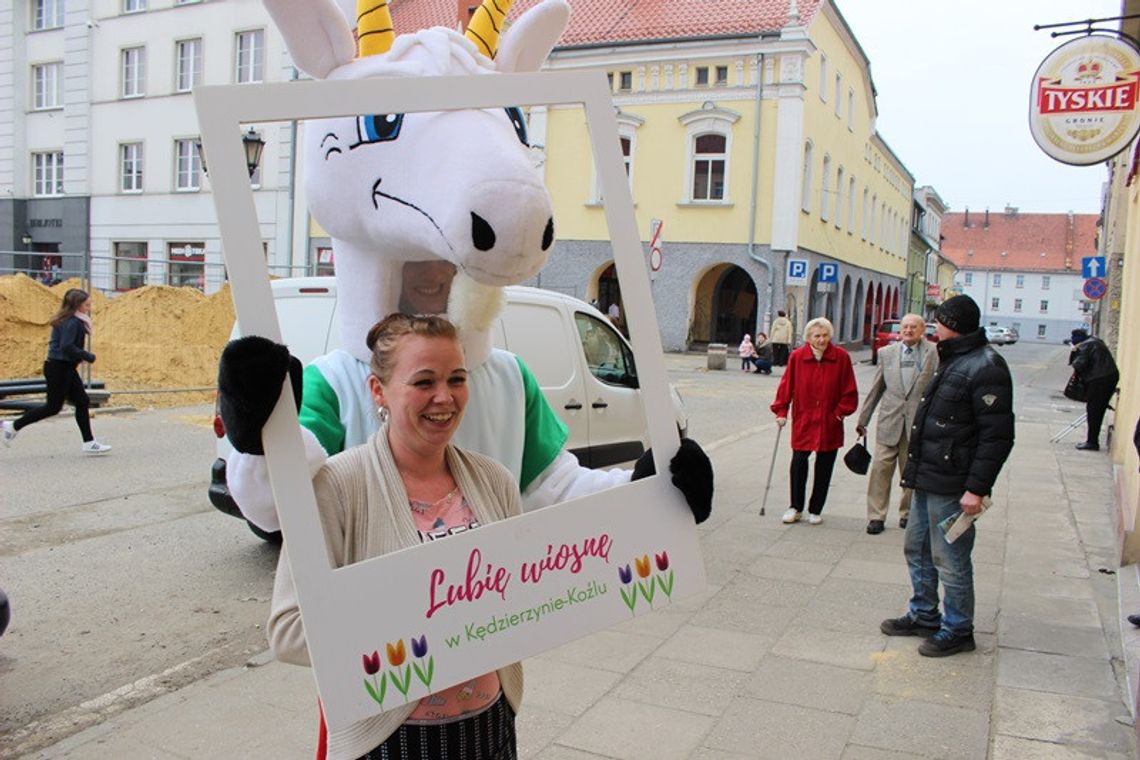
{"x": 371, "y": 663}
{"x": 662, "y": 560}
{"x": 396, "y": 654}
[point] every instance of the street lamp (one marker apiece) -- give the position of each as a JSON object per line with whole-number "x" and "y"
{"x": 26, "y": 239}
{"x": 251, "y": 141}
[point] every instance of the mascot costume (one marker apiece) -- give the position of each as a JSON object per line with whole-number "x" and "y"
{"x": 428, "y": 212}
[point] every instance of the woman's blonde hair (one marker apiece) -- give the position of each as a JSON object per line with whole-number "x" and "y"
{"x": 823, "y": 322}
{"x": 384, "y": 338}
{"x": 72, "y": 300}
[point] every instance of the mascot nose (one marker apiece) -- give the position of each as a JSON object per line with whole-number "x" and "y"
{"x": 548, "y": 234}
{"x": 483, "y": 234}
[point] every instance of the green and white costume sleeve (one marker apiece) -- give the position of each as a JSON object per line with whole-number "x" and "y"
{"x": 507, "y": 418}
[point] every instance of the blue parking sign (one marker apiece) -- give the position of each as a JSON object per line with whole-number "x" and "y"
{"x": 828, "y": 272}
{"x": 797, "y": 272}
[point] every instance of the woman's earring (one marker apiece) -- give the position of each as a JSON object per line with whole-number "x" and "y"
{"x": 382, "y": 414}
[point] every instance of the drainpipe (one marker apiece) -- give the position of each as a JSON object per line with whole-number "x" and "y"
{"x": 755, "y": 191}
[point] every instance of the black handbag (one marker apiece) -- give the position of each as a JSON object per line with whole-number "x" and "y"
{"x": 857, "y": 458}
{"x": 1075, "y": 389}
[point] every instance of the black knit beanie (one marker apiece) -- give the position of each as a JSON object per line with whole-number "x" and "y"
{"x": 960, "y": 314}
{"x": 1078, "y": 336}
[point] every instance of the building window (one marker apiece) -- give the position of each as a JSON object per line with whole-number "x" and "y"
{"x": 969, "y": 278}
{"x": 47, "y": 174}
{"x": 863, "y": 218}
{"x": 130, "y": 265}
{"x": 187, "y": 265}
{"x": 1019, "y": 281}
{"x": 187, "y": 166}
{"x": 188, "y": 64}
{"x": 709, "y": 156}
{"x": 610, "y": 80}
{"x": 851, "y": 109}
{"x": 825, "y": 189}
{"x": 47, "y": 14}
{"x": 46, "y": 80}
{"x": 1040, "y": 331}
{"x": 134, "y": 6}
{"x": 721, "y": 76}
{"x": 134, "y": 72}
{"x": 995, "y": 303}
{"x": 131, "y": 167}
{"x": 839, "y": 198}
{"x": 1017, "y": 304}
{"x": 838, "y": 93}
{"x": 1045, "y": 281}
{"x": 851, "y": 206}
{"x": 871, "y": 221}
{"x": 325, "y": 267}
{"x": 625, "y": 81}
{"x": 1044, "y": 306}
{"x": 997, "y": 280}
{"x": 823, "y": 83}
{"x": 249, "y": 56}
{"x": 805, "y": 193}
{"x": 701, "y": 76}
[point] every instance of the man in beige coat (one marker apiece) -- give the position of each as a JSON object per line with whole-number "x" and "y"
{"x": 781, "y": 338}
{"x": 904, "y": 370}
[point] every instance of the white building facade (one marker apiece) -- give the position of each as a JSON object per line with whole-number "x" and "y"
{"x": 1042, "y": 306}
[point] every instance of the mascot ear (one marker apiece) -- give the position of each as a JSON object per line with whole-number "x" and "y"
{"x": 315, "y": 32}
{"x": 525, "y": 45}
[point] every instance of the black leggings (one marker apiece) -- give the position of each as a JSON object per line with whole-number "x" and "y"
{"x": 824, "y": 462}
{"x": 62, "y": 383}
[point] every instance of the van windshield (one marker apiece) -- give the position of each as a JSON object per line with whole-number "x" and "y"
{"x": 607, "y": 356}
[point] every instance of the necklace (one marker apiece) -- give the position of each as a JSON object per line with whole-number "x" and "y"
{"x": 423, "y": 506}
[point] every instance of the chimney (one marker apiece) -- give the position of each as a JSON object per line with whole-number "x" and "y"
{"x": 986, "y": 223}
{"x": 1010, "y": 211}
{"x": 966, "y": 221}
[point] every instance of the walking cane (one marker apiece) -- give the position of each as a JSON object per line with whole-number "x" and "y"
{"x": 771, "y": 469}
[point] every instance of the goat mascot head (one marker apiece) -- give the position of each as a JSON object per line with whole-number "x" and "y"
{"x": 455, "y": 187}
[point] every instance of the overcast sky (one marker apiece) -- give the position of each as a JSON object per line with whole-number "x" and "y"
{"x": 953, "y": 80}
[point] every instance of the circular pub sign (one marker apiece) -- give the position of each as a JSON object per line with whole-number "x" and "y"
{"x": 1084, "y": 103}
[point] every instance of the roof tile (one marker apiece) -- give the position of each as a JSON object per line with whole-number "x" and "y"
{"x": 1019, "y": 242}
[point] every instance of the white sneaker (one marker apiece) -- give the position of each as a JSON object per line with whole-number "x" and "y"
{"x": 94, "y": 447}
{"x": 815, "y": 519}
{"x": 8, "y": 432}
{"x": 791, "y": 516}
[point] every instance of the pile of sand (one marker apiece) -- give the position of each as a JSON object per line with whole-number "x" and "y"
{"x": 153, "y": 338}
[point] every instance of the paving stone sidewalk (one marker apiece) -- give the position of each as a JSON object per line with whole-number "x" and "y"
{"x": 781, "y": 657}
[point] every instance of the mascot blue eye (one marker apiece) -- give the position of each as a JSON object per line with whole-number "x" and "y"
{"x": 378, "y": 127}
{"x": 514, "y": 113}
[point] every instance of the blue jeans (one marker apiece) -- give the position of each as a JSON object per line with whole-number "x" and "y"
{"x": 930, "y": 559}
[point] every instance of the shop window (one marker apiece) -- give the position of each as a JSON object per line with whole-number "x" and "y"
{"x": 187, "y": 267}
{"x": 130, "y": 265}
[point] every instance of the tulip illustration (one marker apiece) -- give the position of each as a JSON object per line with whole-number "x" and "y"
{"x": 396, "y": 655}
{"x": 419, "y": 651}
{"x": 372, "y": 667}
{"x": 647, "y": 589}
{"x": 630, "y": 597}
{"x": 665, "y": 580}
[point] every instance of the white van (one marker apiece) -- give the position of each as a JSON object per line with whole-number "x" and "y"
{"x": 583, "y": 365}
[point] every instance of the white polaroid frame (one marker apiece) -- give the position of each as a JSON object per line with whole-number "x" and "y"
{"x": 636, "y": 544}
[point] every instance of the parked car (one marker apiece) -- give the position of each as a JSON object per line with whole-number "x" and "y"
{"x": 890, "y": 331}
{"x": 1000, "y": 336}
{"x": 584, "y": 366}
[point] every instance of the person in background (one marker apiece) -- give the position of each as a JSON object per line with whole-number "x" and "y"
{"x": 763, "y": 357}
{"x": 1095, "y": 367}
{"x": 781, "y": 339}
{"x": 70, "y": 327}
{"x": 962, "y": 435}
{"x": 426, "y": 490}
{"x": 903, "y": 371}
{"x": 819, "y": 388}
{"x": 747, "y": 351}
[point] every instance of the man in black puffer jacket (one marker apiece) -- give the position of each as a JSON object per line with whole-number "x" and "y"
{"x": 962, "y": 435}
{"x": 1095, "y": 367}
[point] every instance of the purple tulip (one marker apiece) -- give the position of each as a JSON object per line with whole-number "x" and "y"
{"x": 419, "y": 647}
{"x": 371, "y": 663}
{"x": 625, "y": 574}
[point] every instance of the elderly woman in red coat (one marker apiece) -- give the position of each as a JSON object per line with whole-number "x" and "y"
{"x": 819, "y": 387}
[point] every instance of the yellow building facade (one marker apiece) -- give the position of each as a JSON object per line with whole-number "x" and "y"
{"x": 756, "y": 160}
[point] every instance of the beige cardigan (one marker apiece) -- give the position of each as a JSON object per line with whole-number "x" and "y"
{"x": 365, "y": 513}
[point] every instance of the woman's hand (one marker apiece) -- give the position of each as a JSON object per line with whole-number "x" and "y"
{"x": 781, "y": 421}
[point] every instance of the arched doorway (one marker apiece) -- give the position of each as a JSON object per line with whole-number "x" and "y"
{"x": 726, "y": 305}
{"x": 895, "y": 303}
{"x": 878, "y": 305}
{"x": 857, "y": 312}
{"x": 845, "y": 310}
{"x": 609, "y": 291}
{"x": 869, "y": 315}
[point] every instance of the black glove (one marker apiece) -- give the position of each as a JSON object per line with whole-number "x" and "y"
{"x": 250, "y": 375}
{"x": 692, "y": 475}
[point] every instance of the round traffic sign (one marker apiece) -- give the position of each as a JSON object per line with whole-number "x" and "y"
{"x": 1094, "y": 288}
{"x": 655, "y": 259}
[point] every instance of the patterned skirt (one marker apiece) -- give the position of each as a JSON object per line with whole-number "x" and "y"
{"x": 489, "y": 735}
